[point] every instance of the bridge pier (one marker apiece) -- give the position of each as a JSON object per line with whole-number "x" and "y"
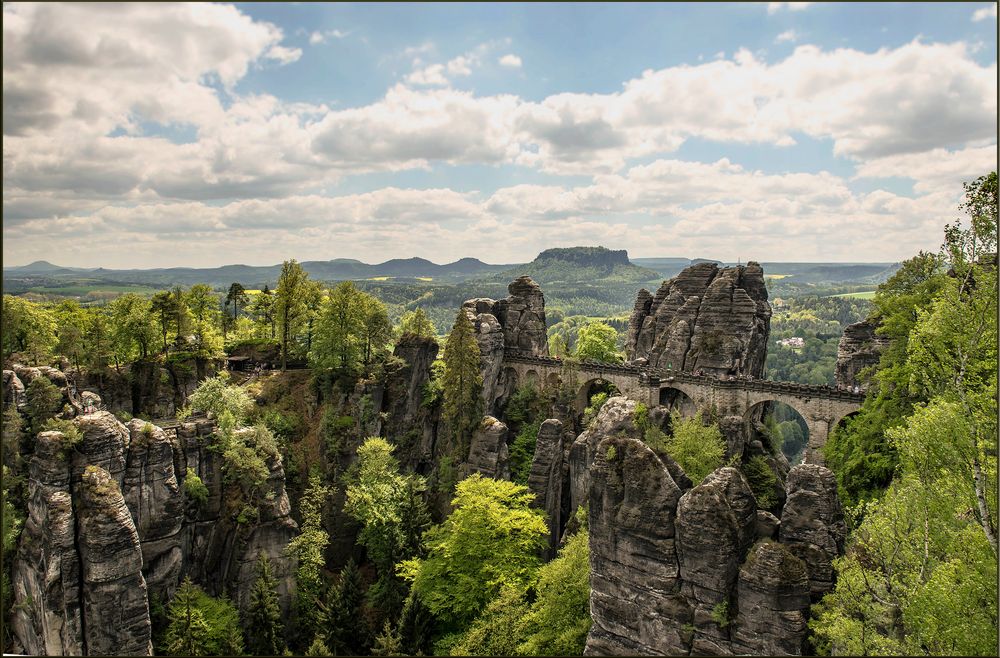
{"x": 819, "y": 432}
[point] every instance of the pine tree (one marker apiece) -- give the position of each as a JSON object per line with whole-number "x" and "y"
{"x": 345, "y": 611}
{"x": 388, "y": 642}
{"x": 188, "y": 633}
{"x": 264, "y": 628}
{"x": 318, "y": 648}
{"x": 463, "y": 380}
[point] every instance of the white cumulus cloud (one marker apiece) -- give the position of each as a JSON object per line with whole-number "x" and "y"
{"x": 510, "y": 60}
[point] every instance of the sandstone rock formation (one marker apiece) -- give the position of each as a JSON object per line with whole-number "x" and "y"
{"x": 488, "y": 451}
{"x": 84, "y": 576}
{"x": 812, "y": 523}
{"x": 13, "y": 390}
{"x": 706, "y": 318}
{"x": 409, "y": 423}
{"x": 859, "y": 348}
{"x": 545, "y": 479}
{"x": 514, "y": 323}
{"x": 677, "y": 572}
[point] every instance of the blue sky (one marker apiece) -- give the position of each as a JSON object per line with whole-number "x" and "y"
{"x": 150, "y": 135}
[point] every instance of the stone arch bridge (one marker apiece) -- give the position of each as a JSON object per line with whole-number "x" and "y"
{"x": 822, "y": 407}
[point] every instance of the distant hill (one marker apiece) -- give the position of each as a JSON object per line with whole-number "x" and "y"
{"x": 581, "y": 265}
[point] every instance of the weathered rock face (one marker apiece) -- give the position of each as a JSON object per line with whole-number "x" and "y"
{"x": 812, "y": 523}
{"x": 773, "y": 596}
{"x": 13, "y": 390}
{"x": 514, "y": 323}
{"x": 47, "y": 568}
{"x": 859, "y": 348}
{"x": 677, "y": 572}
{"x": 705, "y": 318}
{"x": 488, "y": 451}
{"x": 408, "y": 422}
{"x": 115, "y": 604}
{"x": 522, "y": 316}
{"x": 152, "y": 493}
{"x": 616, "y": 418}
{"x": 545, "y": 479}
{"x": 88, "y": 568}
{"x": 635, "y": 601}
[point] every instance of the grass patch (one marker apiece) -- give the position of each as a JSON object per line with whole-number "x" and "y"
{"x": 867, "y": 294}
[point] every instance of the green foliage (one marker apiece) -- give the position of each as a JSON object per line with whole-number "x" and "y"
{"x": 492, "y": 538}
{"x": 417, "y": 323}
{"x": 389, "y": 507}
{"x": 598, "y": 342}
{"x": 42, "y": 401}
{"x": 920, "y": 573}
{"x": 558, "y": 620}
{"x": 495, "y": 632}
{"x": 697, "y": 448}
{"x": 194, "y": 488}
{"x": 388, "y": 642}
{"x": 433, "y": 391}
{"x": 611, "y": 454}
{"x": 335, "y": 430}
{"x": 264, "y": 627}
{"x": 462, "y": 381}
{"x": 307, "y": 550}
{"x": 344, "y": 610}
{"x": 200, "y": 625}
{"x": 340, "y": 329}
{"x": 216, "y": 396}
{"x": 597, "y": 401}
{"x": 720, "y": 614}
{"x": 762, "y": 481}
{"x": 522, "y": 452}
{"x": 28, "y": 329}
{"x": 290, "y": 304}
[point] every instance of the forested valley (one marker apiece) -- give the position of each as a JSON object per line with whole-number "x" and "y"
{"x": 340, "y": 453}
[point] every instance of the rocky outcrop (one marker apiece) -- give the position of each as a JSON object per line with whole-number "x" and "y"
{"x": 616, "y": 418}
{"x": 812, "y": 523}
{"x": 154, "y": 498}
{"x": 706, "y": 318}
{"x": 773, "y": 598}
{"x": 115, "y": 603}
{"x": 46, "y": 572}
{"x": 545, "y": 479}
{"x": 84, "y": 578}
{"x": 488, "y": 454}
{"x": 514, "y": 323}
{"x": 698, "y": 572}
{"x": 13, "y": 390}
{"x": 522, "y": 315}
{"x": 859, "y": 348}
{"x": 636, "y": 602}
{"x": 409, "y": 422}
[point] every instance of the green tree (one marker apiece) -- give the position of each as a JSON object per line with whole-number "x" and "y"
{"x": 132, "y": 330}
{"x": 559, "y": 618}
{"x": 218, "y": 397}
{"x": 307, "y": 549}
{"x": 27, "y": 328}
{"x": 264, "y": 628}
{"x": 236, "y": 296}
{"x": 42, "y": 399}
{"x": 188, "y": 633}
{"x": 388, "y": 642}
{"x": 463, "y": 380}
{"x": 290, "y": 308}
{"x": 71, "y": 326}
{"x": 416, "y": 322}
{"x": 597, "y": 341}
{"x": 340, "y": 328}
{"x": 389, "y": 507}
{"x": 262, "y": 310}
{"x": 697, "y": 447}
{"x": 376, "y": 328}
{"x": 12, "y": 522}
{"x": 492, "y": 538}
{"x": 343, "y": 612}
{"x": 204, "y": 308}
{"x": 164, "y": 307}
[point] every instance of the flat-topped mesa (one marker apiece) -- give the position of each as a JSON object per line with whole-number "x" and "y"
{"x": 710, "y": 319}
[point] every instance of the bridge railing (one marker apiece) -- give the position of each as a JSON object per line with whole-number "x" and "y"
{"x": 661, "y": 376}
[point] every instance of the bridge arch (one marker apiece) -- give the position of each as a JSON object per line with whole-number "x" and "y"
{"x": 797, "y": 429}
{"x": 676, "y": 399}
{"x": 592, "y": 387}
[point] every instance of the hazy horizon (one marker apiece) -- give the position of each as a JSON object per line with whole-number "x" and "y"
{"x": 186, "y": 135}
